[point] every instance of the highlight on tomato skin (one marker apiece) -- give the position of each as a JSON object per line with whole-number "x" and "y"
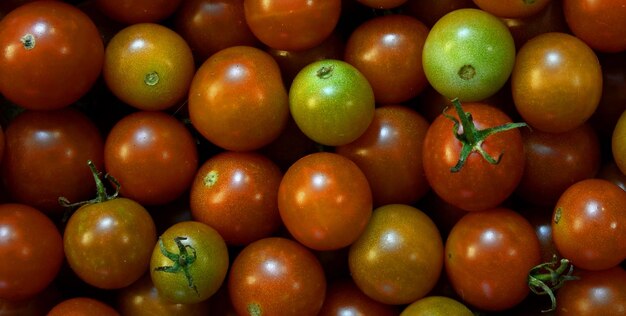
{"x": 292, "y": 157}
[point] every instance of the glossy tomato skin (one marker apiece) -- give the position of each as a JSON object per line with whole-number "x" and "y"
{"x": 488, "y": 256}
{"x": 56, "y": 55}
{"x": 331, "y": 102}
{"x": 138, "y": 11}
{"x": 209, "y": 263}
{"x": 556, "y": 83}
{"x": 236, "y": 194}
{"x": 399, "y": 257}
{"x": 595, "y": 293}
{"x": 468, "y": 54}
{"x": 237, "y": 99}
{"x": 292, "y": 24}
{"x": 108, "y": 244}
{"x": 276, "y": 276}
{"x": 618, "y": 142}
{"x": 600, "y": 24}
{"x": 436, "y": 306}
{"x": 143, "y": 299}
{"x": 148, "y": 66}
{"x": 512, "y": 8}
{"x": 554, "y": 161}
{"x": 343, "y": 297}
{"x": 479, "y": 185}
{"x": 325, "y": 201}
{"x": 387, "y": 50}
{"x": 33, "y": 247}
{"x": 209, "y": 26}
{"x": 587, "y": 224}
{"x": 152, "y": 155}
{"x": 82, "y": 306}
{"x": 46, "y": 155}
{"x": 390, "y": 155}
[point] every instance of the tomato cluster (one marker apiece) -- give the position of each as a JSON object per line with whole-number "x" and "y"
{"x": 325, "y": 157}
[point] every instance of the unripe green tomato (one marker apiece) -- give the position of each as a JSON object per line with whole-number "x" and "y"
{"x": 331, "y": 102}
{"x": 469, "y": 54}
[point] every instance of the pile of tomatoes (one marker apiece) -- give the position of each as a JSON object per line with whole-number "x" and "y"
{"x": 326, "y": 157}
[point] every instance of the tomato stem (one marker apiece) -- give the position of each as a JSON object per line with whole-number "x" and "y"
{"x": 182, "y": 260}
{"x": 472, "y": 138}
{"x": 543, "y": 279}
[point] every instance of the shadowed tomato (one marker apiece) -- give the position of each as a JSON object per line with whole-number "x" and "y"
{"x": 152, "y": 155}
{"x": 237, "y": 99}
{"x": 399, "y": 256}
{"x": 382, "y": 4}
{"x": 343, "y": 297}
{"x": 34, "y": 250}
{"x": 52, "y": 55}
{"x": 325, "y": 201}
{"x": 600, "y": 24}
{"x": 436, "y": 306}
{"x": 512, "y": 8}
{"x": 45, "y": 157}
{"x": 390, "y": 155}
{"x": 236, "y": 194}
{"x": 276, "y": 276}
{"x": 148, "y": 66}
{"x": 387, "y": 50}
{"x": 430, "y": 12}
{"x": 138, "y": 11}
{"x": 82, "y": 306}
{"x": 587, "y": 224}
{"x": 292, "y": 24}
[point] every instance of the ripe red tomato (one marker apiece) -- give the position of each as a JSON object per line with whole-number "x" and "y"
{"x": 189, "y": 263}
{"x": 276, "y": 276}
{"x": 138, "y": 11}
{"x": 512, "y": 8}
{"x": 33, "y": 249}
{"x": 600, "y": 24}
{"x": 390, "y": 155}
{"x": 556, "y": 82}
{"x": 236, "y": 194}
{"x": 478, "y": 184}
{"x": 82, "y": 306}
{"x": 399, "y": 257}
{"x": 52, "y": 55}
{"x": 594, "y": 293}
{"x": 237, "y": 99}
{"x": 488, "y": 257}
{"x": 587, "y": 224}
{"x": 148, "y": 66}
{"x": 325, "y": 201}
{"x": 45, "y": 157}
{"x": 387, "y": 50}
{"x": 152, "y": 155}
{"x": 292, "y": 24}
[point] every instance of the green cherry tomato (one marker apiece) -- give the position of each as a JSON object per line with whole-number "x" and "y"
{"x": 189, "y": 262}
{"x": 331, "y": 102}
{"x": 468, "y": 54}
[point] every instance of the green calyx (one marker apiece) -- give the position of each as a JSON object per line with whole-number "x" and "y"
{"x": 548, "y": 277}
{"x": 182, "y": 260}
{"x": 473, "y": 138}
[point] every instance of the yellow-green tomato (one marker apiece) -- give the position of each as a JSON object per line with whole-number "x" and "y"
{"x": 469, "y": 54}
{"x": 189, "y": 262}
{"x": 436, "y": 306}
{"x": 331, "y": 102}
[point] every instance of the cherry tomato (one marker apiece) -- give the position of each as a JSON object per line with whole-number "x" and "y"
{"x": 556, "y": 83}
{"x": 52, "y": 55}
{"x": 488, "y": 257}
{"x": 343, "y": 297}
{"x": 387, "y": 50}
{"x": 594, "y": 293}
{"x": 586, "y": 224}
{"x": 600, "y": 24}
{"x": 430, "y": 12}
{"x": 108, "y": 241}
{"x": 468, "y": 54}
{"x": 33, "y": 250}
{"x": 45, "y": 157}
{"x": 148, "y": 66}
{"x": 382, "y": 4}
{"x": 209, "y": 26}
{"x": 237, "y": 99}
{"x": 82, "y": 306}
{"x": 236, "y": 194}
{"x": 390, "y": 155}
{"x": 549, "y": 19}
{"x": 325, "y": 201}
{"x": 618, "y": 143}
{"x": 512, "y": 8}
{"x": 189, "y": 263}
{"x": 399, "y": 256}
{"x": 477, "y": 184}
{"x": 276, "y": 276}
{"x": 292, "y": 24}
{"x": 152, "y": 155}
{"x": 138, "y": 11}
{"x": 331, "y": 102}
{"x": 436, "y": 306}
